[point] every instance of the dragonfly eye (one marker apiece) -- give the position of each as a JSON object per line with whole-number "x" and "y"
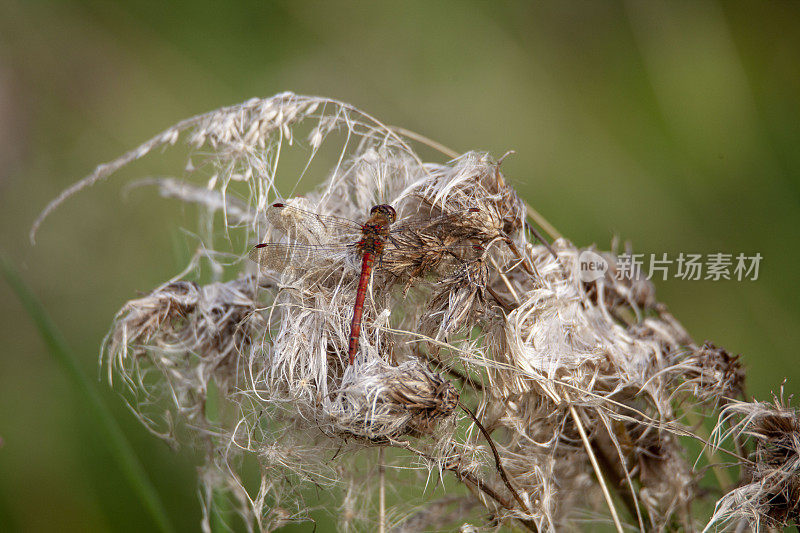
{"x": 386, "y": 210}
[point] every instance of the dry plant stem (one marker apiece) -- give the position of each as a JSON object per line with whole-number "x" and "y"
{"x": 522, "y": 258}
{"x": 471, "y": 479}
{"x": 382, "y": 491}
{"x": 463, "y": 378}
{"x": 488, "y": 490}
{"x": 598, "y": 472}
{"x": 497, "y": 460}
{"x": 507, "y": 307}
{"x": 427, "y": 141}
{"x": 542, "y": 222}
{"x": 616, "y": 481}
{"x": 506, "y": 282}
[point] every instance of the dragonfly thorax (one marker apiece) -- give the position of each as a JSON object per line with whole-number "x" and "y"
{"x": 374, "y": 236}
{"x": 376, "y": 230}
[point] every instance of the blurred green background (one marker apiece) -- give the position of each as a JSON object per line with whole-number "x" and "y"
{"x": 673, "y": 125}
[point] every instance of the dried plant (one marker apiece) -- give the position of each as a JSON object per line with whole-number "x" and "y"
{"x": 770, "y": 492}
{"x": 483, "y": 353}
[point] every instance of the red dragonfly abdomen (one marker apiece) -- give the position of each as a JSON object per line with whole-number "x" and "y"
{"x": 358, "y": 308}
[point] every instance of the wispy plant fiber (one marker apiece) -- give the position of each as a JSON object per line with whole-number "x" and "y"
{"x": 586, "y": 392}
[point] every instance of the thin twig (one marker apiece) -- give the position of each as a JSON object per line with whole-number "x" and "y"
{"x": 542, "y": 222}
{"x": 500, "y": 468}
{"x": 505, "y": 279}
{"x": 628, "y": 498}
{"x": 507, "y": 307}
{"x": 414, "y": 136}
{"x": 596, "y": 467}
{"x": 487, "y": 489}
{"x": 524, "y": 259}
{"x": 463, "y": 475}
{"x": 463, "y": 378}
{"x": 381, "y": 492}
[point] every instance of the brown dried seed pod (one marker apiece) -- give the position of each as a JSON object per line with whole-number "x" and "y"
{"x": 777, "y": 464}
{"x": 425, "y": 395}
{"x": 770, "y": 495}
{"x": 716, "y": 374}
{"x": 395, "y": 402}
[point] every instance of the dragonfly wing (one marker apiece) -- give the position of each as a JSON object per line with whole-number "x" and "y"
{"x": 443, "y": 222}
{"x": 312, "y": 228}
{"x": 279, "y": 257}
{"x": 416, "y": 257}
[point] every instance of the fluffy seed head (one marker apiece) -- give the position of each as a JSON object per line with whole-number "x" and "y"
{"x": 581, "y": 389}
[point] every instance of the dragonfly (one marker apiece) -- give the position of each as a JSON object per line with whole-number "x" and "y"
{"x": 318, "y": 238}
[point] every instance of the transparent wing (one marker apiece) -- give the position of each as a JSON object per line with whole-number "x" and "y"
{"x": 409, "y": 256}
{"x": 281, "y": 256}
{"x": 419, "y": 222}
{"x": 312, "y": 228}
{"x": 431, "y": 240}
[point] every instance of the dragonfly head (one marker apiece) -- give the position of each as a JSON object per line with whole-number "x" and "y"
{"x": 386, "y": 211}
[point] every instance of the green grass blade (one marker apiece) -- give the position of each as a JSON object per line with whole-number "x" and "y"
{"x": 110, "y": 431}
